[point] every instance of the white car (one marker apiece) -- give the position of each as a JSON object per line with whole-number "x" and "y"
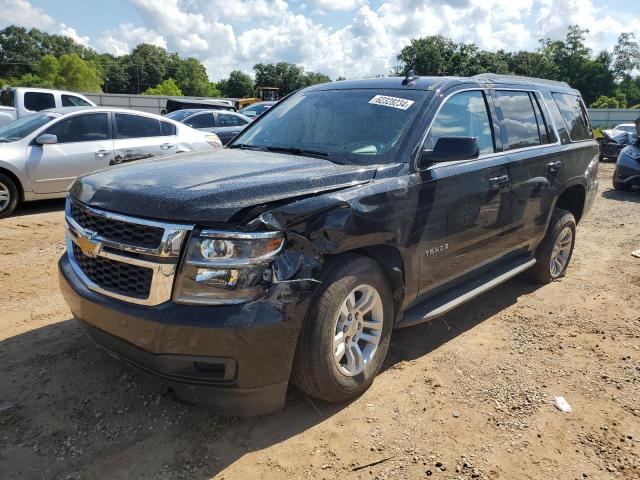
{"x": 43, "y": 153}
{"x": 20, "y": 101}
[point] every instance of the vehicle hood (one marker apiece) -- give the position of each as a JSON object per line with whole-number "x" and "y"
{"x": 211, "y": 186}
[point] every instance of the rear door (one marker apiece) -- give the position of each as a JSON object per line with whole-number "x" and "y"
{"x": 138, "y": 137}
{"x": 201, "y": 121}
{"x": 84, "y": 145}
{"x": 536, "y": 166}
{"x": 463, "y": 204}
{"x": 228, "y": 126}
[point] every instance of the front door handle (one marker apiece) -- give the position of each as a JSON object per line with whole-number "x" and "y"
{"x": 167, "y": 146}
{"x": 554, "y": 166}
{"x": 102, "y": 153}
{"x": 499, "y": 183}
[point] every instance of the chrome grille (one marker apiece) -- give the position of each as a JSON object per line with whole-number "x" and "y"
{"x": 128, "y": 258}
{"x": 116, "y": 277}
{"x": 146, "y": 236}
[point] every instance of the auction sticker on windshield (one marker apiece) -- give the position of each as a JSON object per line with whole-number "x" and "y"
{"x": 395, "y": 102}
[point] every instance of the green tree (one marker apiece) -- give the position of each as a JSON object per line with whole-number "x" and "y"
{"x": 609, "y": 102}
{"x": 78, "y": 75}
{"x": 31, "y": 80}
{"x": 314, "y": 78}
{"x": 428, "y": 56}
{"x": 113, "y": 73}
{"x": 146, "y": 67}
{"x": 193, "y": 80}
{"x": 626, "y": 55}
{"x": 49, "y": 70}
{"x": 238, "y": 85}
{"x": 167, "y": 87}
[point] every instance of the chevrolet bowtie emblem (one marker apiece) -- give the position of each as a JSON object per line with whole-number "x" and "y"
{"x": 88, "y": 246}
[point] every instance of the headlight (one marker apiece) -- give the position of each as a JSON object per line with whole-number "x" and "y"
{"x": 226, "y": 267}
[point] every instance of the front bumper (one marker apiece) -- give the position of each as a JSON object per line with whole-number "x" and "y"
{"x": 610, "y": 149}
{"x": 233, "y": 358}
{"x": 627, "y": 174}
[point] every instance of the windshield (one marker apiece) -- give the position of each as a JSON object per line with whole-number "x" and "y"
{"x": 346, "y": 126}
{"x": 255, "y": 110}
{"x": 18, "y": 129}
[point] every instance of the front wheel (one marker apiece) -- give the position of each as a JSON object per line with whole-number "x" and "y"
{"x": 346, "y": 334}
{"x": 555, "y": 250}
{"x": 8, "y": 196}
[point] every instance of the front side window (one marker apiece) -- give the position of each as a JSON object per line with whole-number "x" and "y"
{"x": 136, "y": 126}
{"x": 574, "y": 115}
{"x": 519, "y": 119}
{"x": 167, "y": 129}
{"x": 36, "y": 101}
{"x": 90, "y": 127}
{"x": 355, "y": 126}
{"x": 202, "y": 120}
{"x": 73, "y": 101}
{"x": 463, "y": 115}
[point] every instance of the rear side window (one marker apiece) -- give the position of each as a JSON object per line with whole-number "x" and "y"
{"x": 90, "y": 127}
{"x": 204, "y": 120}
{"x": 226, "y": 120}
{"x": 136, "y": 126}
{"x": 73, "y": 101}
{"x": 37, "y": 101}
{"x": 574, "y": 115}
{"x": 463, "y": 115}
{"x": 519, "y": 119}
{"x": 167, "y": 129}
{"x": 544, "y": 128}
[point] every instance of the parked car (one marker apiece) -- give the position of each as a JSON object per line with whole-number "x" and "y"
{"x": 627, "y": 171}
{"x": 174, "y": 104}
{"x": 615, "y": 139}
{"x": 254, "y": 110}
{"x": 42, "y": 154}
{"x": 349, "y": 209}
{"x": 20, "y": 101}
{"x": 223, "y": 123}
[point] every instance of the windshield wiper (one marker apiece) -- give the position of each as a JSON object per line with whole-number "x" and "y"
{"x": 298, "y": 151}
{"x": 245, "y": 146}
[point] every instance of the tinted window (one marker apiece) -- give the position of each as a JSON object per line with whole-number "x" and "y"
{"x": 519, "y": 119}
{"x": 464, "y": 115}
{"x": 357, "y": 126}
{"x": 202, "y": 120}
{"x": 37, "y": 101}
{"x": 225, "y": 120}
{"x": 574, "y": 116}
{"x": 81, "y": 128}
{"x": 167, "y": 128}
{"x": 544, "y": 129}
{"x": 136, "y": 126}
{"x": 73, "y": 101}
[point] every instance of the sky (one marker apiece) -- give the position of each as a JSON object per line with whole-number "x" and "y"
{"x": 350, "y": 38}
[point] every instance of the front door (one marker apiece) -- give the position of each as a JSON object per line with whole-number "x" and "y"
{"x": 84, "y": 145}
{"x": 464, "y": 204}
{"x": 138, "y": 137}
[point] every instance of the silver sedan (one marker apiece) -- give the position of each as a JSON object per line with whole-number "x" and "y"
{"x": 43, "y": 153}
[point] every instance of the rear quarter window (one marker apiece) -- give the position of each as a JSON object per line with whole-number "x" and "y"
{"x": 36, "y": 101}
{"x": 574, "y": 116}
{"x": 519, "y": 118}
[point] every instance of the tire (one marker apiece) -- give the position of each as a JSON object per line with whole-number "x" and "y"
{"x": 9, "y": 196}
{"x": 315, "y": 371}
{"x": 620, "y": 186}
{"x": 543, "y": 271}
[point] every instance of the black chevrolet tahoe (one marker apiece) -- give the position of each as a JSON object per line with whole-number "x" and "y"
{"x": 347, "y": 210}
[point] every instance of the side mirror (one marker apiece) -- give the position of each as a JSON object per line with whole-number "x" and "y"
{"x": 46, "y": 139}
{"x": 449, "y": 149}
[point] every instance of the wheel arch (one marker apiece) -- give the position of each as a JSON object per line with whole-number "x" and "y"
{"x": 15, "y": 180}
{"x": 572, "y": 199}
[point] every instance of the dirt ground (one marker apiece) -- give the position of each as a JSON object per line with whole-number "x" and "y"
{"x": 467, "y": 396}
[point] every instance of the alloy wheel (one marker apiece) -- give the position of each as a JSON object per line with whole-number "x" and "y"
{"x": 561, "y": 252}
{"x": 5, "y": 196}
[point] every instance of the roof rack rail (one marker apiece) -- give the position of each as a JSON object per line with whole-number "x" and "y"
{"x": 492, "y": 77}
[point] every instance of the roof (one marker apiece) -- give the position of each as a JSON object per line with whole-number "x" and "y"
{"x": 441, "y": 83}
{"x": 66, "y": 110}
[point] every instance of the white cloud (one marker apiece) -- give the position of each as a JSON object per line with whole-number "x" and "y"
{"x": 71, "y": 32}
{"x": 337, "y": 4}
{"x": 22, "y": 13}
{"x": 127, "y": 36}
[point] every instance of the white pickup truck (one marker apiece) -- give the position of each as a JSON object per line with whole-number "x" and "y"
{"x": 17, "y": 102}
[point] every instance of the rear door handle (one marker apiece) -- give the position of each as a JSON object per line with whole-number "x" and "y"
{"x": 499, "y": 183}
{"x": 102, "y": 153}
{"x": 167, "y": 146}
{"x": 554, "y": 166}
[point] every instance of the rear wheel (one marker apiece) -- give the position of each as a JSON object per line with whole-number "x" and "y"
{"x": 555, "y": 250}
{"x": 8, "y": 196}
{"x": 621, "y": 186}
{"x": 346, "y": 334}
